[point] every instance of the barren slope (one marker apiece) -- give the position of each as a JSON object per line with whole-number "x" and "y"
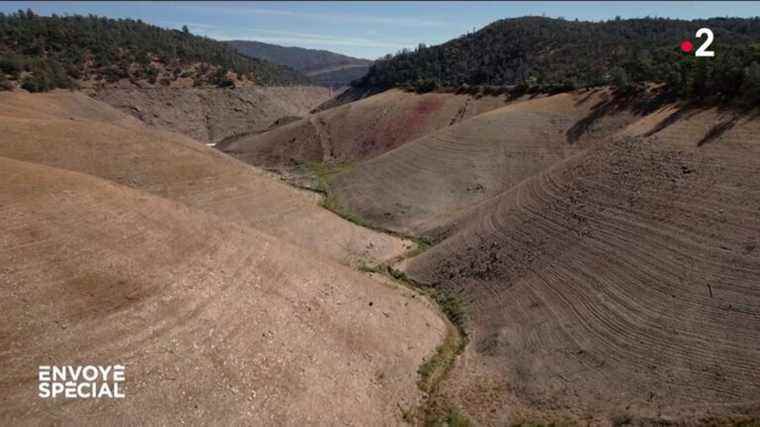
{"x": 70, "y": 131}
{"x": 359, "y": 130}
{"x": 427, "y": 183}
{"x": 211, "y": 115}
{"x": 216, "y": 323}
{"x": 622, "y": 284}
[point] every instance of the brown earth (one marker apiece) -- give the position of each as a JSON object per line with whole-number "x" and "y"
{"x": 621, "y": 285}
{"x": 211, "y": 115}
{"x": 216, "y": 322}
{"x": 71, "y": 131}
{"x": 357, "y": 131}
{"x": 606, "y": 253}
{"x": 424, "y": 185}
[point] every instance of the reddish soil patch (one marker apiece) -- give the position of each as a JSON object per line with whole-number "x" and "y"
{"x": 357, "y": 131}
{"x": 423, "y": 186}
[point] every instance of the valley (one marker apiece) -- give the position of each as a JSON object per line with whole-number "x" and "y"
{"x": 588, "y": 249}
{"x": 436, "y": 245}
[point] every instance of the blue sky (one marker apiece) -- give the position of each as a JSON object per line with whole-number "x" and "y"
{"x": 369, "y": 29}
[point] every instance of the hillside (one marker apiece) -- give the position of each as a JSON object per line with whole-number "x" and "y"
{"x": 602, "y": 246}
{"x": 221, "y": 290}
{"x": 215, "y": 322}
{"x": 554, "y": 54}
{"x": 543, "y": 222}
{"x": 618, "y": 286}
{"x": 322, "y": 66}
{"x": 425, "y": 184}
{"x": 356, "y": 131}
{"x": 211, "y": 115}
{"x": 74, "y": 132}
{"x": 41, "y": 53}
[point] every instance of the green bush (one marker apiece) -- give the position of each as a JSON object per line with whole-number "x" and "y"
{"x": 36, "y": 83}
{"x": 5, "y": 84}
{"x": 424, "y": 85}
{"x": 11, "y": 65}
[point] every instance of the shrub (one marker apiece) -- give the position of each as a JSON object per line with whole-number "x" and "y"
{"x": 424, "y": 85}
{"x": 11, "y": 65}
{"x": 36, "y": 83}
{"x": 5, "y": 84}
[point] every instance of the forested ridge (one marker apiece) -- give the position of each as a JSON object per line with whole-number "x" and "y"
{"x": 297, "y": 58}
{"x": 324, "y": 67}
{"x": 546, "y": 54}
{"x": 42, "y": 53}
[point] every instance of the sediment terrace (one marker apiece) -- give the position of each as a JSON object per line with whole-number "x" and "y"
{"x": 620, "y": 284}
{"x": 422, "y": 187}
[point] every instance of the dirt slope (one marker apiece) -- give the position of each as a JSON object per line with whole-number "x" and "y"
{"x": 211, "y": 115}
{"x": 427, "y": 183}
{"x": 359, "y": 130}
{"x": 216, "y": 323}
{"x": 620, "y": 285}
{"x": 61, "y": 130}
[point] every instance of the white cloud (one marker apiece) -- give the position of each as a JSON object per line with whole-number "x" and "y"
{"x": 291, "y": 38}
{"x": 337, "y": 17}
{"x": 307, "y": 38}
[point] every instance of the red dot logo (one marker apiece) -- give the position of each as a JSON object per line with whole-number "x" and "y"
{"x": 686, "y": 46}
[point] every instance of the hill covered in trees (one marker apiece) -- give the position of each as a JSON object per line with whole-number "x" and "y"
{"x": 325, "y": 67}
{"x": 41, "y": 53}
{"x": 545, "y": 54}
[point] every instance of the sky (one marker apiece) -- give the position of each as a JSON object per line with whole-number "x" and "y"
{"x": 368, "y": 29}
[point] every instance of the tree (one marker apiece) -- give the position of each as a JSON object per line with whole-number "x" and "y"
{"x": 561, "y": 54}
{"x": 752, "y": 83}
{"x": 56, "y": 49}
{"x": 5, "y": 84}
{"x": 620, "y": 79}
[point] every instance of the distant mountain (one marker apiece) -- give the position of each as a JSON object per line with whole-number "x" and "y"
{"x": 41, "y": 53}
{"x": 324, "y": 67}
{"x": 557, "y": 54}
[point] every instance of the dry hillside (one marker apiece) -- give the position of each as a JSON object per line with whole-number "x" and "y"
{"x": 216, "y": 322}
{"x": 71, "y": 131}
{"x": 212, "y": 115}
{"x": 215, "y": 285}
{"x": 622, "y": 284}
{"x": 426, "y": 184}
{"x": 359, "y": 130}
{"x": 604, "y": 248}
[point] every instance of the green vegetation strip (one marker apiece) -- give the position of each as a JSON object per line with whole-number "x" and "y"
{"x": 436, "y": 409}
{"x": 323, "y": 173}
